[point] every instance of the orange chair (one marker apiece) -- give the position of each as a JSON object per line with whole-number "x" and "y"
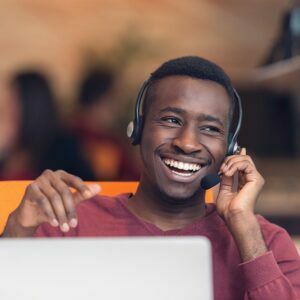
{"x": 11, "y": 193}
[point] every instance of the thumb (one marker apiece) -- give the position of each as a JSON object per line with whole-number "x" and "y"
{"x": 226, "y": 184}
{"x": 243, "y": 151}
{"x": 225, "y": 194}
{"x": 90, "y": 191}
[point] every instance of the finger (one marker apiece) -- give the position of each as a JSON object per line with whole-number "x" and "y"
{"x": 84, "y": 191}
{"x": 243, "y": 151}
{"x": 241, "y": 181}
{"x": 228, "y": 163}
{"x": 38, "y": 197}
{"x": 67, "y": 198}
{"x": 226, "y": 183}
{"x": 56, "y": 202}
{"x": 242, "y": 166}
{"x": 93, "y": 188}
{"x": 237, "y": 156}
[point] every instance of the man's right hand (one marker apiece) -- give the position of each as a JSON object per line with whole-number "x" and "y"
{"x": 49, "y": 199}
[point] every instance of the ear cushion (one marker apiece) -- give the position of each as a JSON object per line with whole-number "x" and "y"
{"x": 136, "y": 128}
{"x": 130, "y": 128}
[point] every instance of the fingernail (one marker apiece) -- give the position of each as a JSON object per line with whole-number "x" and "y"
{"x": 73, "y": 223}
{"x": 65, "y": 227}
{"x": 95, "y": 188}
{"x": 54, "y": 223}
{"x": 87, "y": 194}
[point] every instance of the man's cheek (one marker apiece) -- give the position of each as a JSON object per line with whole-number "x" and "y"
{"x": 219, "y": 154}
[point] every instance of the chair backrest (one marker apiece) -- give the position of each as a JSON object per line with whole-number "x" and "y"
{"x": 11, "y": 194}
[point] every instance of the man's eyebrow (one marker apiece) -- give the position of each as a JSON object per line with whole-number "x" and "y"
{"x": 173, "y": 109}
{"x": 210, "y": 118}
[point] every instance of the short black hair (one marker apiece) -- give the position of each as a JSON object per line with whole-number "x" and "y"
{"x": 192, "y": 66}
{"x": 95, "y": 84}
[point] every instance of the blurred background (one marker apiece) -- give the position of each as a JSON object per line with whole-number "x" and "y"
{"x": 70, "y": 71}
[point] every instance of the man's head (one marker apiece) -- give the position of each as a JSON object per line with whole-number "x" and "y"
{"x": 187, "y": 112}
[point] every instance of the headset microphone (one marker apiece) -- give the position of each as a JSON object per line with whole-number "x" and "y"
{"x": 209, "y": 181}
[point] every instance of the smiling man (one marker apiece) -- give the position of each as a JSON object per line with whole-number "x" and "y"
{"x": 184, "y": 136}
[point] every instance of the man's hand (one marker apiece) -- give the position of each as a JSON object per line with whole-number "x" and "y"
{"x": 50, "y": 199}
{"x": 232, "y": 203}
{"x": 237, "y": 207}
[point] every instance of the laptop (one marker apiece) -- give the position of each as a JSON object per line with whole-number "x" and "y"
{"x": 160, "y": 268}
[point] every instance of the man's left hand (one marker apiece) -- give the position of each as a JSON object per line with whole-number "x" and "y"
{"x": 232, "y": 203}
{"x": 237, "y": 207}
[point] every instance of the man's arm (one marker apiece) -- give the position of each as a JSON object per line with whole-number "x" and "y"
{"x": 237, "y": 209}
{"x": 275, "y": 274}
{"x": 49, "y": 199}
{"x": 248, "y": 235}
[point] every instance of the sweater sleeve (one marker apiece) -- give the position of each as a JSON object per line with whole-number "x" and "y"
{"x": 275, "y": 274}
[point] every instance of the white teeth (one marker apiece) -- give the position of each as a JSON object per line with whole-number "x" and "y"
{"x": 183, "y": 174}
{"x": 182, "y": 165}
{"x": 197, "y": 167}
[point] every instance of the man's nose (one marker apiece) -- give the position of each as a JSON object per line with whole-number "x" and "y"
{"x": 188, "y": 141}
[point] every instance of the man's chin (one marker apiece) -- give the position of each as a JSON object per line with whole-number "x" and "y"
{"x": 180, "y": 194}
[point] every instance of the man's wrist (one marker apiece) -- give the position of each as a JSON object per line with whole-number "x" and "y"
{"x": 240, "y": 220}
{"x": 13, "y": 228}
{"x": 247, "y": 234}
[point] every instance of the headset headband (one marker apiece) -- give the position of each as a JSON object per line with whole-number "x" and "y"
{"x": 135, "y": 127}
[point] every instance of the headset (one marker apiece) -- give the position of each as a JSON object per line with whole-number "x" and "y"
{"x": 135, "y": 127}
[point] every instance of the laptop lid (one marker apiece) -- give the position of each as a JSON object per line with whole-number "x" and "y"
{"x": 157, "y": 268}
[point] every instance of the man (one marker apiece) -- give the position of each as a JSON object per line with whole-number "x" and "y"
{"x": 187, "y": 113}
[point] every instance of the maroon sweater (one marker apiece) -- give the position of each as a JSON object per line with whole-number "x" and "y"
{"x": 274, "y": 275}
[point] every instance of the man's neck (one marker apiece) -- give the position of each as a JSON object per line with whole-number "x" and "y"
{"x": 149, "y": 206}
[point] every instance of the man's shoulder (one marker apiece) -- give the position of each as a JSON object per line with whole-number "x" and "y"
{"x": 267, "y": 225}
{"x": 103, "y": 203}
{"x": 270, "y": 230}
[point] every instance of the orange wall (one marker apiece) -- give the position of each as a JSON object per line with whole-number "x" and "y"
{"x": 60, "y": 35}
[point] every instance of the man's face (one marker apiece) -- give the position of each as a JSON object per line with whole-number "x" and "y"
{"x": 185, "y": 134}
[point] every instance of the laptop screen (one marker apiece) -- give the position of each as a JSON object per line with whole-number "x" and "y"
{"x": 157, "y": 268}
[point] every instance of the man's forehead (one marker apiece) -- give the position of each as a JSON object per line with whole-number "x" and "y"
{"x": 176, "y": 89}
{"x": 178, "y": 84}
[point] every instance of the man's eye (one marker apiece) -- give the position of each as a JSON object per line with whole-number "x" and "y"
{"x": 171, "y": 120}
{"x": 211, "y": 129}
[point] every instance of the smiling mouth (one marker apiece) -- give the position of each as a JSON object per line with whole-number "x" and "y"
{"x": 182, "y": 168}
